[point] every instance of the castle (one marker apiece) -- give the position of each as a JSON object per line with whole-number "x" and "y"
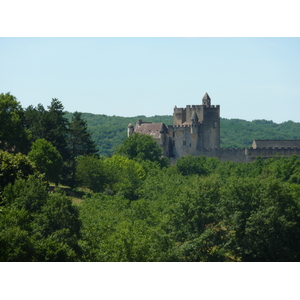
{"x": 196, "y": 131}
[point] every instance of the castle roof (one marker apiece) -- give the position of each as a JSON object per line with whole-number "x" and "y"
{"x": 206, "y": 97}
{"x": 276, "y": 144}
{"x": 152, "y": 129}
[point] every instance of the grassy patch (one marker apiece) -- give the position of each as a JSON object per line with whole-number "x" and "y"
{"x": 76, "y": 195}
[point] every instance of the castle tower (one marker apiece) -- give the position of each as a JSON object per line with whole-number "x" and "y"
{"x": 210, "y": 130}
{"x": 179, "y": 116}
{"x": 130, "y": 130}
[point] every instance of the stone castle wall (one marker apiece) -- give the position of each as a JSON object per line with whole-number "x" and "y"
{"x": 246, "y": 155}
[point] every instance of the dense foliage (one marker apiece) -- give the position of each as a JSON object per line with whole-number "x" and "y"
{"x": 47, "y": 159}
{"x": 233, "y": 212}
{"x": 135, "y": 206}
{"x": 36, "y": 225}
{"x": 13, "y": 133}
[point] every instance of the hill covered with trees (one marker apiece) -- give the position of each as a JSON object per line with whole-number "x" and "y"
{"x": 236, "y": 133}
{"x": 134, "y": 205}
{"x": 109, "y": 131}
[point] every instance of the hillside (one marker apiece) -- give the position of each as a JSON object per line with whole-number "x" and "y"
{"x": 109, "y": 131}
{"x": 240, "y": 133}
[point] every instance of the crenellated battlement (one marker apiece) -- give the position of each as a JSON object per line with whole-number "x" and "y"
{"x": 188, "y": 107}
{"x": 179, "y": 109}
{"x": 274, "y": 148}
{"x": 194, "y": 106}
{"x": 174, "y": 127}
{"x": 213, "y": 107}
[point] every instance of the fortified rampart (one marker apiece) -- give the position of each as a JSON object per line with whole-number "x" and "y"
{"x": 249, "y": 154}
{"x": 271, "y": 152}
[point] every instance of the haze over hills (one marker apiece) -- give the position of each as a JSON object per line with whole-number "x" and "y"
{"x": 109, "y": 131}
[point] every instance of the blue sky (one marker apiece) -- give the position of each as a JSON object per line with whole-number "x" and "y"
{"x": 250, "y": 78}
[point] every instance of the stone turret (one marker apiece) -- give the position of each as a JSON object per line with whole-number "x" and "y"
{"x": 206, "y": 100}
{"x": 194, "y": 123}
{"x": 162, "y": 129}
{"x": 130, "y": 130}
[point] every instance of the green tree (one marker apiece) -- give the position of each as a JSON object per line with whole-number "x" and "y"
{"x": 36, "y": 120}
{"x": 124, "y": 176}
{"x": 16, "y": 243}
{"x": 188, "y": 165}
{"x": 47, "y": 159}
{"x": 262, "y": 219}
{"x": 80, "y": 141}
{"x": 58, "y": 128}
{"x": 114, "y": 229}
{"x": 91, "y": 172}
{"x": 142, "y": 147}
{"x": 13, "y": 134}
{"x": 29, "y": 194}
{"x": 13, "y": 167}
{"x": 51, "y": 125}
{"x": 36, "y": 225}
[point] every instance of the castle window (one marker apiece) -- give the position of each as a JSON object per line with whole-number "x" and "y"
{"x": 173, "y": 133}
{"x": 173, "y": 143}
{"x": 215, "y": 124}
{"x": 184, "y": 143}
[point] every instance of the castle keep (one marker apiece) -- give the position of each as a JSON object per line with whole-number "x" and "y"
{"x": 196, "y": 131}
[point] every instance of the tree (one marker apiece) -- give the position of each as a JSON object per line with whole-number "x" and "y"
{"x": 36, "y": 225}
{"x": 188, "y": 165}
{"x": 142, "y": 147}
{"x": 13, "y": 167}
{"x": 13, "y": 135}
{"x": 91, "y": 173}
{"x": 51, "y": 125}
{"x": 29, "y": 194}
{"x": 123, "y": 176}
{"x": 15, "y": 243}
{"x": 80, "y": 141}
{"x": 58, "y": 128}
{"x": 114, "y": 229}
{"x": 46, "y": 158}
{"x": 36, "y": 120}
{"x": 262, "y": 219}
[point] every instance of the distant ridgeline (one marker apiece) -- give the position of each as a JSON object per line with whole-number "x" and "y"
{"x": 109, "y": 131}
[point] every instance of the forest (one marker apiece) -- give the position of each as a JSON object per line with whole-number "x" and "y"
{"x": 109, "y": 131}
{"x": 63, "y": 199}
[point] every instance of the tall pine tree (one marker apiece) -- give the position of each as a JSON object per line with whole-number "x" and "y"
{"x": 80, "y": 140}
{"x": 58, "y": 128}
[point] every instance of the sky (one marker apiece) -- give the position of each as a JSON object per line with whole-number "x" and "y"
{"x": 250, "y": 78}
{"x": 130, "y": 59}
